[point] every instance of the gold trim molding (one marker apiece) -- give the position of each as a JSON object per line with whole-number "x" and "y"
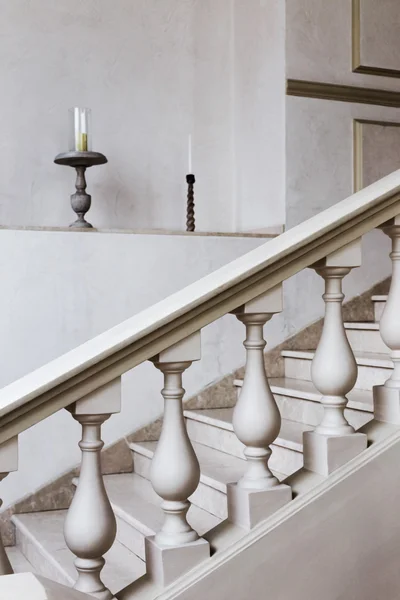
{"x": 358, "y": 67}
{"x": 358, "y": 174}
{"x": 342, "y": 93}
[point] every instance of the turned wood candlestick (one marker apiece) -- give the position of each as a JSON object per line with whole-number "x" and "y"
{"x": 80, "y": 200}
{"x": 190, "y": 221}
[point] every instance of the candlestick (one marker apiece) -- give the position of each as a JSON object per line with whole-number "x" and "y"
{"x": 190, "y": 222}
{"x": 80, "y": 157}
{"x": 190, "y": 154}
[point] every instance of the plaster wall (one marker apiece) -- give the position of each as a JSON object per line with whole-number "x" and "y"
{"x": 152, "y": 72}
{"x": 63, "y": 288}
{"x": 259, "y": 113}
{"x": 319, "y": 41}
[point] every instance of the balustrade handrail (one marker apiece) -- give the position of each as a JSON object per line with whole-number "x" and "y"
{"x": 114, "y": 352}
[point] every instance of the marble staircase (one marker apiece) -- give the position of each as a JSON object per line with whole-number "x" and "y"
{"x": 40, "y": 544}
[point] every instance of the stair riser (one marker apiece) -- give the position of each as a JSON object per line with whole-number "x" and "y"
{"x": 40, "y": 559}
{"x": 378, "y": 310}
{"x": 310, "y": 412}
{"x": 215, "y": 437}
{"x": 130, "y": 537}
{"x": 206, "y": 497}
{"x": 366, "y": 340}
{"x": 211, "y": 500}
{"x": 299, "y": 368}
{"x": 284, "y": 460}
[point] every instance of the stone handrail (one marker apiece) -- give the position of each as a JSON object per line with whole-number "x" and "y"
{"x": 114, "y": 352}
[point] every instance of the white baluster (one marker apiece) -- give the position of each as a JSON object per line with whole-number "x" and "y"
{"x": 175, "y": 472}
{"x": 256, "y": 421}
{"x": 334, "y": 372}
{"x": 334, "y": 368}
{"x": 387, "y": 396}
{"x": 90, "y": 526}
{"x": 8, "y": 463}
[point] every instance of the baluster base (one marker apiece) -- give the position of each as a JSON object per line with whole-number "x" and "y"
{"x": 89, "y": 581}
{"x": 247, "y": 508}
{"x": 324, "y": 454}
{"x": 166, "y": 563}
{"x": 386, "y": 404}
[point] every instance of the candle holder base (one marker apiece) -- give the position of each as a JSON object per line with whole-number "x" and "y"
{"x": 80, "y": 200}
{"x": 81, "y": 223}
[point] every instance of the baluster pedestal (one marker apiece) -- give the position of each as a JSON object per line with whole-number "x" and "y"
{"x": 256, "y": 422}
{"x": 90, "y": 526}
{"x": 334, "y": 372}
{"x": 175, "y": 473}
{"x": 387, "y": 396}
{"x": 8, "y": 463}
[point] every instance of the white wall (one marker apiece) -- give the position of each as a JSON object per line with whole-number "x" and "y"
{"x": 319, "y": 41}
{"x": 65, "y": 287}
{"x": 146, "y": 70}
{"x": 259, "y": 113}
{"x": 152, "y": 71}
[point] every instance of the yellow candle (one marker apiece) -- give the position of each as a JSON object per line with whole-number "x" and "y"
{"x": 83, "y": 142}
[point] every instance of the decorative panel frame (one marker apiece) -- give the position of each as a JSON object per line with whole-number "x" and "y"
{"x": 358, "y": 124}
{"x": 357, "y": 65}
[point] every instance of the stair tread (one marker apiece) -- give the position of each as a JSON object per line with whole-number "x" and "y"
{"x": 363, "y": 325}
{"x": 305, "y": 390}
{"x": 290, "y": 435}
{"x": 18, "y": 561}
{"x": 45, "y": 529}
{"x": 370, "y": 359}
{"x": 378, "y": 298}
{"x": 134, "y": 500}
{"x": 217, "y": 468}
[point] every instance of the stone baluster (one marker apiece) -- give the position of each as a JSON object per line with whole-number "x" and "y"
{"x": 8, "y": 463}
{"x": 387, "y": 396}
{"x": 175, "y": 472}
{"x": 334, "y": 372}
{"x": 90, "y": 526}
{"x": 256, "y": 421}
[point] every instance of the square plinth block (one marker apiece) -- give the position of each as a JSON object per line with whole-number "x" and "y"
{"x": 247, "y": 508}
{"x": 324, "y": 454}
{"x": 386, "y": 404}
{"x": 167, "y": 563}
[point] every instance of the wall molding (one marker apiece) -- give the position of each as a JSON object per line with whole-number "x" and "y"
{"x": 342, "y": 93}
{"x": 357, "y": 65}
{"x": 358, "y": 174}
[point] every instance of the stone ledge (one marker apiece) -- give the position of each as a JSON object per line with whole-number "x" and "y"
{"x": 232, "y": 234}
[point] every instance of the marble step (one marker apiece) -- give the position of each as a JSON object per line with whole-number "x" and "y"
{"x": 379, "y": 305}
{"x": 299, "y": 401}
{"x": 217, "y": 469}
{"x": 40, "y": 538}
{"x": 373, "y": 369}
{"x": 18, "y": 561}
{"x": 138, "y": 513}
{"x": 365, "y": 337}
{"x": 213, "y": 428}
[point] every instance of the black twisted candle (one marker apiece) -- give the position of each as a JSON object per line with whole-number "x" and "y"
{"x": 190, "y": 225}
